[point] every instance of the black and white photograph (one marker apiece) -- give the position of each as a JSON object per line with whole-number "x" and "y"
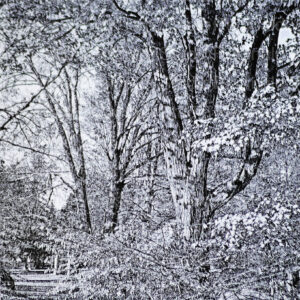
{"x": 149, "y": 149}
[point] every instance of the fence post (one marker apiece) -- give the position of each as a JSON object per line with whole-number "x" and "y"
{"x": 55, "y": 264}
{"x": 69, "y": 265}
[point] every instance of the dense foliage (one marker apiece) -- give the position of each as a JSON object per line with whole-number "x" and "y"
{"x": 155, "y": 144}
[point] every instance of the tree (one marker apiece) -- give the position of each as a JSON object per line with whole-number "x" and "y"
{"x": 124, "y": 103}
{"x": 213, "y": 87}
{"x": 188, "y": 166}
{"x": 63, "y": 102}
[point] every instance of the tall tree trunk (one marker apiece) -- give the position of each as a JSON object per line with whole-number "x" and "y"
{"x": 272, "y": 47}
{"x": 116, "y": 190}
{"x": 152, "y": 151}
{"x": 81, "y": 174}
{"x": 117, "y": 182}
{"x": 81, "y": 195}
{"x": 115, "y": 196}
{"x": 126, "y": 135}
{"x": 187, "y": 171}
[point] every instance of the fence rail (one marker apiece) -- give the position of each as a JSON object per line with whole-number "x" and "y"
{"x": 34, "y": 285}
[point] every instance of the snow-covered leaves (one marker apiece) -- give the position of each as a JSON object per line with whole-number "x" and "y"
{"x": 274, "y": 115}
{"x": 236, "y": 230}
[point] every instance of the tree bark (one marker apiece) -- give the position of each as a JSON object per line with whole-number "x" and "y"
{"x": 187, "y": 171}
{"x": 191, "y": 64}
{"x": 272, "y": 47}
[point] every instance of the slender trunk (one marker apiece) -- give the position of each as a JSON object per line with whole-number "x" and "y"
{"x": 117, "y": 181}
{"x": 116, "y": 195}
{"x": 191, "y": 64}
{"x": 81, "y": 174}
{"x": 172, "y": 119}
{"x": 116, "y": 188}
{"x": 150, "y": 181}
{"x": 81, "y": 195}
{"x": 252, "y": 63}
{"x": 272, "y": 47}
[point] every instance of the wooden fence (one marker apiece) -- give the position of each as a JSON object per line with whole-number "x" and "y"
{"x": 35, "y": 285}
